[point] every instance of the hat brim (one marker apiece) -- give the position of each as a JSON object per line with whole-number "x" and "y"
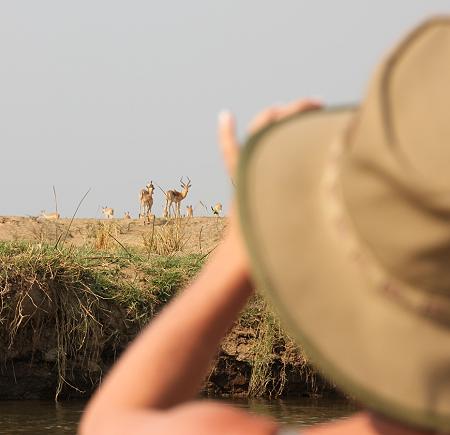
{"x": 386, "y": 356}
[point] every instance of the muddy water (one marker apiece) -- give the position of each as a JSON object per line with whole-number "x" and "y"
{"x": 300, "y": 413}
{"x": 45, "y": 417}
{"x": 39, "y": 417}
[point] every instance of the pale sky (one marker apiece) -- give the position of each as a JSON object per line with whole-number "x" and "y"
{"x": 110, "y": 94}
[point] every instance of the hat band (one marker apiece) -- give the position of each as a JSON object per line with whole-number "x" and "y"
{"x": 433, "y": 306}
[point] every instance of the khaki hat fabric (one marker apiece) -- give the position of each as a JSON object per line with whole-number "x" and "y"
{"x": 346, "y": 214}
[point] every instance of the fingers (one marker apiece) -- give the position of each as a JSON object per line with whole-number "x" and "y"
{"x": 299, "y": 106}
{"x": 279, "y": 112}
{"x": 228, "y": 142}
{"x": 263, "y": 118}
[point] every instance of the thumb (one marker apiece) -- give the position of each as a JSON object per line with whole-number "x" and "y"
{"x": 228, "y": 142}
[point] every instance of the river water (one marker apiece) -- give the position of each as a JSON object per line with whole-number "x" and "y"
{"x": 46, "y": 417}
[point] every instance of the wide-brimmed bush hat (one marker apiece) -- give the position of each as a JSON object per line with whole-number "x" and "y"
{"x": 346, "y": 214}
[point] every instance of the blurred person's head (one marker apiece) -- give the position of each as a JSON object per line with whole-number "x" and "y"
{"x": 346, "y": 212}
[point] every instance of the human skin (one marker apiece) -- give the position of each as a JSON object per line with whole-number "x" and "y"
{"x": 152, "y": 388}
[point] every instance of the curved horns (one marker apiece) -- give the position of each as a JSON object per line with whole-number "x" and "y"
{"x": 185, "y": 184}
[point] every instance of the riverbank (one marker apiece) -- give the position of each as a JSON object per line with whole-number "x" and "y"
{"x": 67, "y": 312}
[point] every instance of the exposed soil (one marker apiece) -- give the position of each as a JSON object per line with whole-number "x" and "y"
{"x": 29, "y": 371}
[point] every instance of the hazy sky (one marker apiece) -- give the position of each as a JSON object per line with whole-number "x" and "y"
{"x": 110, "y": 94}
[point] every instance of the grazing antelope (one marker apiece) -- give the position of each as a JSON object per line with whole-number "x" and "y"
{"x": 146, "y": 200}
{"x": 127, "y": 215}
{"x": 108, "y": 212}
{"x": 217, "y": 209}
{"x": 49, "y": 216}
{"x": 189, "y": 211}
{"x": 175, "y": 197}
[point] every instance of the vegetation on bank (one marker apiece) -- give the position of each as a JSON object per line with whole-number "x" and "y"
{"x": 74, "y": 310}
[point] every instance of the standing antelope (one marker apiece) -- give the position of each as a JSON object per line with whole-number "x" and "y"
{"x": 108, "y": 212}
{"x": 175, "y": 197}
{"x": 146, "y": 200}
{"x": 189, "y": 211}
{"x": 217, "y": 209}
{"x": 127, "y": 215}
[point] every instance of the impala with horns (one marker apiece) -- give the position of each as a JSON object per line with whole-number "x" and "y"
{"x": 146, "y": 200}
{"x": 173, "y": 197}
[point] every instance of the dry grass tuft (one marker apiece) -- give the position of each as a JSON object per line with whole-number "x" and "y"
{"x": 167, "y": 239}
{"x": 104, "y": 234}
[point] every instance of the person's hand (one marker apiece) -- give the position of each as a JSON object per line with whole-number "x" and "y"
{"x": 230, "y": 150}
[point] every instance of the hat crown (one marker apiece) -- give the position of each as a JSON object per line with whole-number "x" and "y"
{"x": 395, "y": 177}
{"x": 417, "y": 100}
